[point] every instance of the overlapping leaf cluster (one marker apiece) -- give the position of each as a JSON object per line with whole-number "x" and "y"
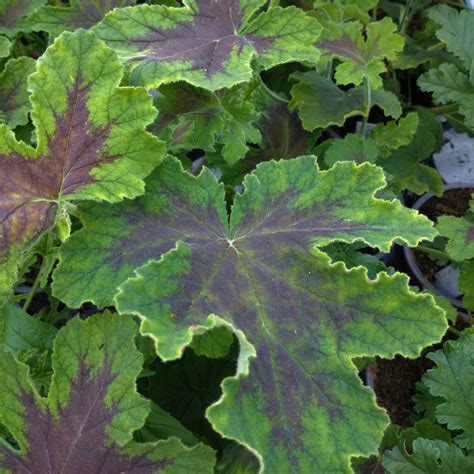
{"x": 219, "y": 296}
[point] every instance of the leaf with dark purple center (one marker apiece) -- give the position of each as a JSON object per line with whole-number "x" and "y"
{"x": 207, "y": 43}
{"x": 86, "y": 422}
{"x": 14, "y": 15}
{"x": 91, "y": 141}
{"x": 299, "y": 403}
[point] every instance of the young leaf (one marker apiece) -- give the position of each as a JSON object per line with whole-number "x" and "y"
{"x": 5, "y": 46}
{"x": 14, "y": 99}
{"x": 453, "y": 379}
{"x": 91, "y": 141}
{"x": 429, "y": 456}
{"x": 14, "y": 15}
{"x": 457, "y": 31}
{"x": 208, "y": 43}
{"x": 91, "y": 410}
{"x": 192, "y": 118}
{"x": 304, "y": 317}
{"x": 363, "y": 58}
{"x": 321, "y": 103}
{"x": 78, "y": 14}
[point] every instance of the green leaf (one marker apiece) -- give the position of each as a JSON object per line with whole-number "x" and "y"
{"x": 351, "y": 148}
{"x": 78, "y": 14}
{"x": 5, "y": 46}
{"x": 453, "y": 379}
{"x": 91, "y": 142}
{"x": 448, "y": 84}
{"x": 20, "y": 332}
{"x": 457, "y": 31}
{"x": 321, "y": 103}
{"x": 14, "y": 98}
{"x": 460, "y": 234}
{"x": 404, "y": 164}
{"x": 363, "y": 58}
{"x": 429, "y": 456}
{"x": 251, "y": 272}
{"x": 95, "y": 365}
{"x": 161, "y": 425}
{"x": 214, "y": 343}
{"x": 466, "y": 283}
{"x": 208, "y": 43}
{"x": 392, "y": 135}
{"x": 192, "y": 118}
{"x": 14, "y": 15}
{"x": 236, "y": 459}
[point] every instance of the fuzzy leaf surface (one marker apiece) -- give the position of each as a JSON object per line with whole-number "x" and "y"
{"x": 78, "y": 14}
{"x": 259, "y": 274}
{"x": 321, "y": 103}
{"x": 14, "y": 15}
{"x": 208, "y": 43}
{"x": 95, "y": 365}
{"x": 457, "y": 31}
{"x": 453, "y": 379}
{"x": 91, "y": 140}
{"x": 431, "y": 456}
{"x": 192, "y": 118}
{"x": 363, "y": 58}
{"x": 14, "y": 100}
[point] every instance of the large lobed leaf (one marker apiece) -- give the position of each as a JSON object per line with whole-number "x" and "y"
{"x": 78, "y": 14}
{"x": 207, "y": 43}
{"x": 303, "y": 407}
{"x": 362, "y": 57}
{"x": 86, "y": 422}
{"x": 91, "y": 141}
{"x": 14, "y": 15}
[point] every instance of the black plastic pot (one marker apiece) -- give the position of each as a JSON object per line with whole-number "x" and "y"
{"x": 414, "y": 269}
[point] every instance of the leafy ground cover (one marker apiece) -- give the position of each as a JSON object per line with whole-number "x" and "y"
{"x": 201, "y": 204}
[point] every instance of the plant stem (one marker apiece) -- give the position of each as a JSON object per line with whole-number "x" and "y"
{"x": 32, "y": 292}
{"x": 434, "y": 47}
{"x": 454, "y": 331}
{"x": 368, "y": 105}
{"x": 434, "y": 252}
{"x": 445, "y": 109}
{"x": 273, "y": 95}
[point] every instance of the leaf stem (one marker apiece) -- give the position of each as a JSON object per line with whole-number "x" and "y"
{"x": 445, "y": 109}
{"x": 434, "y": 252}
{"x": 368, "y": 105}
{"x": 454, "y": 331}
{"x": 273, "y": 95}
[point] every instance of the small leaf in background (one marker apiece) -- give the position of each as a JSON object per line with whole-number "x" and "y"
{"x": 14, "y": 97}
{"x": 193, "y": 118}
{"x": 250, "y": 274}
{"x": 453, "y": 379}
{"x": 78, "y": 14}
{"x": 429, "y": 456}
{"x": 214, "y": 343}
{"x": 351, "y": 148}
{"x": 448, "y": 84}
{"x": 14, "y": 15}
{"x": 466, "y": 283}
{"x": 362, "y": 58}
{"x": 460, "y": 234}
{"x": 208, "y": 43}
{"x": 91, "y": 139}
{"x": 95, "y": 364}
{"x": 321, "y": 103}
{"x": 5, "y": 46}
